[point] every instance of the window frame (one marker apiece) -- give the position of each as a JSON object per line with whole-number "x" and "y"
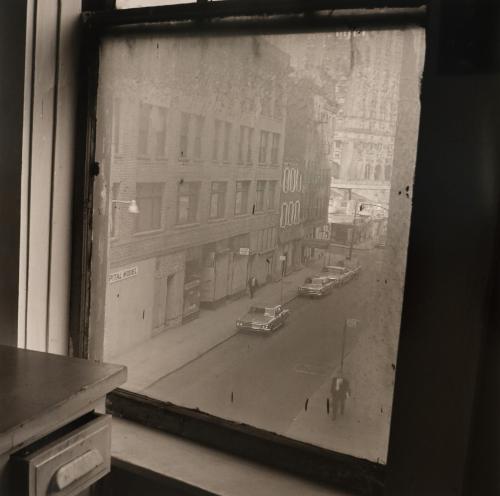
{"x": 355, "y": 474}
{"x": 194, "y": 188}
{"x": 150, "y": 197}
{"x": 218, "y": 189}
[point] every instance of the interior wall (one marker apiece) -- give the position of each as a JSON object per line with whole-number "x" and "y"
{"x": 51, "y": 57}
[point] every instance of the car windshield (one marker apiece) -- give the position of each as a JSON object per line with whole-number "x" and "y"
{"x": 270, "y": 312}
{"x": 317, "y": 280}
{"x": 334, "y": 270}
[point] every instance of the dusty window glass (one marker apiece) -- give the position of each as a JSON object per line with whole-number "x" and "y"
{"x": 257, "y": 197}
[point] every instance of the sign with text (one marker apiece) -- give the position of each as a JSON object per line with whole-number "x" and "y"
{"x": 244, "y": 251}
{"x": 123, "y": 274}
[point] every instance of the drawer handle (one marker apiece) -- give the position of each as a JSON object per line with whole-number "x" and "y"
{"x": 77, "y": 468}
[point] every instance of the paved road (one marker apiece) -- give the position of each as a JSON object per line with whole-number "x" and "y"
{"x": 266, "y": 380}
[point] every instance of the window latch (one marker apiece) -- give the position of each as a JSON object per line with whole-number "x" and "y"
{"x": 95, "y": 169}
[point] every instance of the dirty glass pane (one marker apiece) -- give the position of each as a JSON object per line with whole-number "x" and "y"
{"x": 256, "y": 197}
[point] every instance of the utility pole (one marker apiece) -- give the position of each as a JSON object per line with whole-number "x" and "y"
{"x": 343, "y": 349}
{"x": 351, "y": 245}
{"x": 283, "y": 262}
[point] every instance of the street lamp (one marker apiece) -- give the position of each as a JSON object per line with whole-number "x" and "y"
{"x": 132, "y": 205}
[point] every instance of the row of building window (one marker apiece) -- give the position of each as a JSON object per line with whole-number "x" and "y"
{"x": 290, "y": 214}
{"x": 152, "y": 137}
{"x": 292, "y": 180}
{"x": 149, "y": 198}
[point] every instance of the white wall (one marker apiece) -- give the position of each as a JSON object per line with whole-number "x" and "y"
{"x": 47, "y": 164}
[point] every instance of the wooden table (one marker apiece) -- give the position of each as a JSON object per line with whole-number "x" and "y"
{"x": 40, "y": 393}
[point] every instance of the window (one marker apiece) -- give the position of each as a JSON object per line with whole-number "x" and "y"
{"x": 144, "y": 127}
{"x": 161, "y": 132}
{"x": 213, "y": 78}
{"x": 187, "y": 202}
{"x": 259, "y": 196}
{"x": 216, "y": 142}
{"x": 199, "y": 120}
{"x": 218, "y": 200}
{"x": 284, "y": 215}
{"x": 275, "y": 149}
{"x": 149, "y": 202}
{"x": 241, "y": 197}
{"x": 296, "y": 213}
{"x": 264, "y": 136}
{"x": 290, "y": 213}
{"x": 184, "y": 136}
{"x": 227, "y": 141}
{"x": 286, "y": 179}
{"x": 241, "y": 143}
{"x": 271, "y": 195}
{"x": 250, "y": 146}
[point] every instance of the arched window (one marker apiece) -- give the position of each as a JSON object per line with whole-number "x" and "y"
{"x": 290, "y": 213}
{"x": 291, "y": 184}
{"x": 297, "y": 212}
{"x": 286, "y": 174}
{"x": 299, "y": 187}
{"x": 284, "y": 214}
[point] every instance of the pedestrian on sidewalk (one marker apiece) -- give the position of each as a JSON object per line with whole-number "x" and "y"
{"x": 252, "y": 283}
{"x": 340, "y": 391}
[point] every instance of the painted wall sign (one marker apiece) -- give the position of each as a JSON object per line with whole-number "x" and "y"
{"x": 123, "y": 274}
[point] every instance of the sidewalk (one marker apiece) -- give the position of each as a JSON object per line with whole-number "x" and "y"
{"x": 363, "y": 430}
{"x": 174, "y": 348}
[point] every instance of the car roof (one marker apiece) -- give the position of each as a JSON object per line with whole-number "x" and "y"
{"x": 263, "y": 306}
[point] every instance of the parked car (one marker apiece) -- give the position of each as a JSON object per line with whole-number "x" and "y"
{"x": 263, "y": 319}
{"x": 316, "y": 286}
{"x": 340, "y": 275}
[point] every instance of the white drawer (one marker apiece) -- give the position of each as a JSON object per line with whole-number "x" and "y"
{"x": 66, "y": 462}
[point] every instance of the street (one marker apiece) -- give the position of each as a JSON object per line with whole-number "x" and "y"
{"x": 267, "y": 381}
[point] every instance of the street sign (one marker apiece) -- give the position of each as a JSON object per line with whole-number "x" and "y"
{"x": 244, "y": 251}
{"x": 351, "y": 322}
{"x": 123, "y": 274}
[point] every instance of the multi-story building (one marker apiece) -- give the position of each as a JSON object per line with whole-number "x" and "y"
{"x": 308, "y": 149}
{"x": 196, "y": 139}
{"x": 365, "y": 133}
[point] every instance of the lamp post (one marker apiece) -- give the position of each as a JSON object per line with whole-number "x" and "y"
{"x": 283, "y": 262}
{"x": 359, "y": 206}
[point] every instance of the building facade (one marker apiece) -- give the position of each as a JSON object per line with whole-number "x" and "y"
{"x": 197, "y": 142}
{"x": 364, "y": 137}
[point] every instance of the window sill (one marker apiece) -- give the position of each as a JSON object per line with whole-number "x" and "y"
{"x": 169, "y": 457}
{"x": 147, "y": 233}
{"x": 187, "y": 226}
{"x": 217, "y": 220}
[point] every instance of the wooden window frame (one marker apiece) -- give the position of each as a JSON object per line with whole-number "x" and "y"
{"x": 415, "y": 460}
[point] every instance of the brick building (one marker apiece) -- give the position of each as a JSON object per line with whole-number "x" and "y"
{"x": 196, "y": 137}
{"x": 306, "y": 173}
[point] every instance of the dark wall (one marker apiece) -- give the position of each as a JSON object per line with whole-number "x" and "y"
{"x": 445, "y": 396}
{"x": 12, "y": 57}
